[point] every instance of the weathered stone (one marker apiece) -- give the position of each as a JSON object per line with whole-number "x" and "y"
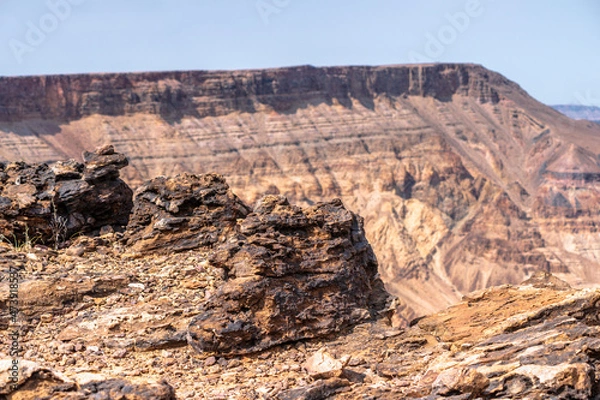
{"x": 292, "y": 274}
{"x": 320, "y": 390}
{"x": 52, "y": 296}
{"x": 182, "y": 213}
{"x": 67, "y": 170}
{"x": 104, "y": 163}
{"x": 48, "y": 204}
{"x": 501, "y": 186}
{"x": 323, "y": 365}
{"x": 460, "y": 381}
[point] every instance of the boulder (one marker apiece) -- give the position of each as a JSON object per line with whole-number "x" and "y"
{"x": 183, "y": 212}
{"x": 292, "y": 274}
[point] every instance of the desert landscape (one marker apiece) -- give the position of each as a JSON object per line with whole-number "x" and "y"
{"x": 463, "y": 179}
{"x": 406, "y": 231}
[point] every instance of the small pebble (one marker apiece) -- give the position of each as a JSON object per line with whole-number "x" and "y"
{"x": 120, "y": 353}
{"x": 210, "y": 361}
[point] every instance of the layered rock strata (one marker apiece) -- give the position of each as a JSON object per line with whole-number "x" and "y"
{"x": 183, "y": 212}
{"x": 463, "y": 179}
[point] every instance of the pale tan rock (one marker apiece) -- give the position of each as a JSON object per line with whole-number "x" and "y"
{"x": 452, "y": 381}
{"x": 322, "y": 365}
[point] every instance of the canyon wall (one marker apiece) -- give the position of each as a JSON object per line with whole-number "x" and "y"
{"x": 463, "y": 179}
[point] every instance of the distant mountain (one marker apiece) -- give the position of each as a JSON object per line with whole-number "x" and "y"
{"x": 591, "y": 113}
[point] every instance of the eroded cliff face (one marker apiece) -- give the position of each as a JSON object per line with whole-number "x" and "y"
{"x": 464, "y": 181}
{"x": 211, "y": 94}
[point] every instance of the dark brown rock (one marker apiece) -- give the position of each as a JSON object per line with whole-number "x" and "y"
{"x": 39, "y": 382}
{"x": 55, "y": 296}
{"x": 48, "y": 204}
{"x": 184, "y": 212}
{"x": 120, "y": 389}
{"x": 292, "y": 274}
{"x": 103, "y": 163}
{"x": 422, "y": 152}
{"x": 67, "y": 97}
{"x": 66, "y": 170}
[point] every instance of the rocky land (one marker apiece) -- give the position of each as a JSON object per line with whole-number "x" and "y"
{"x": 464, "y": 181}
{"x": 183, "y": 291}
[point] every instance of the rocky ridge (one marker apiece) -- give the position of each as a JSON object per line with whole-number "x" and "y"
{"x": 174, "y": 95}
{"x": 48, "y": 204}
{"x": 291, "y": 274}
{"x": 183, "y": 212}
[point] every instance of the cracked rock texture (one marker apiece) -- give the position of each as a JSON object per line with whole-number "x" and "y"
{"x": 463, "y": 180}
{"x": 183, "y": 212}
{"x": 48, "y": 204}
{"x": 292, "y": 274}
{"x": 537, "y": 340}
{"x": 37, "y": 382}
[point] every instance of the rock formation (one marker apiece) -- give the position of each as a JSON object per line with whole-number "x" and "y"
{"x": 463, "y": 181}
{"x": 291, "y": 274}
{"x": 174, "y": 95}
{"x": 48, "y": 204}
{"x": 183, "y": 212}
{"x": 253, "y": 281}
{"x": 284, "y": 302}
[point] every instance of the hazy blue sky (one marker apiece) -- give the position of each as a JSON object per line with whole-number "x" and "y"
{"x": 551, "y": 48}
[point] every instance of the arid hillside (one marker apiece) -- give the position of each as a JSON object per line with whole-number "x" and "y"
{"x": 463, "y": 179}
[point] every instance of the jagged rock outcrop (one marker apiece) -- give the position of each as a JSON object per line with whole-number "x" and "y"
{"x": 49, "y": 203}
{"x": 279, "y": 275}
{"x": 292, "y": 274}
{"x": 538, "y": 340}
{"x": 128, "y": 317}
{"x": 183, "y": 212}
